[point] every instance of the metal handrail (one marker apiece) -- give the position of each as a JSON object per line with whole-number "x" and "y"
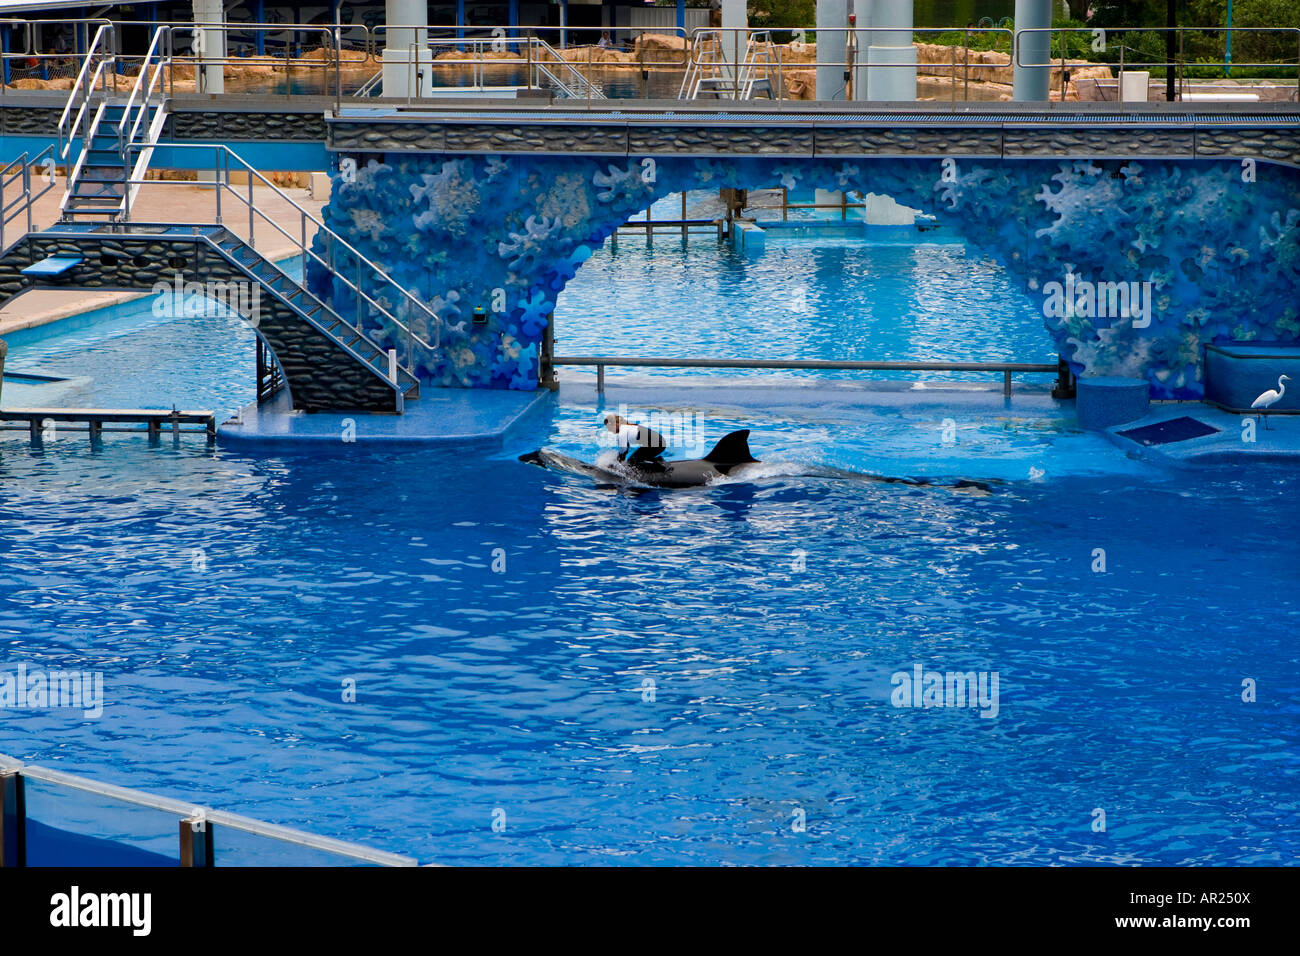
{"x": 154, "y": 66}
{"x": 188, "y": 811}
{"x": 601, "y": 361}
{"x": 585, "y": 86}
{"x": 65, "y": 129}
{"x": 1179, "y": 65}
{"x": 22, "y": 203}
{"x": 370, "y": 85}
{"x": 222, "y": 184}
{"x": 155, "y": 75}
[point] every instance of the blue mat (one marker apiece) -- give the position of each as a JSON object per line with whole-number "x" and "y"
{"x": 1164, "y": 433}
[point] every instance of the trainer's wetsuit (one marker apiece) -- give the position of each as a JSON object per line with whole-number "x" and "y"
{"x": 650, "y": 445}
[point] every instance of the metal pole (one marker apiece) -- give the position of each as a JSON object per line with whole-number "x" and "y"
{"x": 1227, "y": 44}
{"x": 600, "y": 380}
{"x": 1006, "y": 383}
{"x": 1171, "y": 21}
{"x": 965, "y": 42}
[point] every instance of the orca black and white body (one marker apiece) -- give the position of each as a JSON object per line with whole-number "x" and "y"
{"x": 729, "y": 458}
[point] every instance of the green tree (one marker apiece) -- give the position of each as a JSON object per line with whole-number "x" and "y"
{"x": 782, "y": 14}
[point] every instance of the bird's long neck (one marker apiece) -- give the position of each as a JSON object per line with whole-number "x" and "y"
{"x": 1281, "y": 388}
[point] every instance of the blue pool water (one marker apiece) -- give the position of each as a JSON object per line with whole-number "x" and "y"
{"x": 227, "y": 596}
{"x": 808, "y": 296}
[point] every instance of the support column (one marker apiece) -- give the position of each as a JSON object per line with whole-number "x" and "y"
{"x": 13, "y": 820}
{"x": 512, "y": 20}
{"x": 259, "y": 15}
{"x": 832, "y": 49}
{"x": 211, "y": 45}
{"x": 735, "y": 20}
{"x": 888, "y": 59}
{"x": 681, "y": 17}
{"x": 406, "y": 48}
{"x": 1032, "y": 82}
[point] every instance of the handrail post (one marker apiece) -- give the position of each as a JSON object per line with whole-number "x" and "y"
{"x": 249, "y": 171}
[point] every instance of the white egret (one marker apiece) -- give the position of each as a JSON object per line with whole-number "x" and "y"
{"x": 1271, "y": 397}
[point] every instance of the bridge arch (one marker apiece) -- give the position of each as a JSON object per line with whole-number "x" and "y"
{"x": 1212, "y": 252}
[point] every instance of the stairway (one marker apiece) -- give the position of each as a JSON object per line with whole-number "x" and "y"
{"x": 98, "y": 188}
{"x": 327, "y": 363}
{"x": 330, "y": 324}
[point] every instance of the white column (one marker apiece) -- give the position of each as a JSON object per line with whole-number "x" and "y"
{"x": 211, "y": 46}
{"x": 831, "y": 48}
{"x": 888, "y": 71}
{"x": 1032, "y": 84}
{"x": 735, "y": 20}
{"x": 406, "y": 48}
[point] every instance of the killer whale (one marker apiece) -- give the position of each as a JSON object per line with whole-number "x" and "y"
{"x": 730, "y": 458}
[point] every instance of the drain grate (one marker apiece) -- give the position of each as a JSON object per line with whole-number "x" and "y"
{"x": 1164, "y": 433}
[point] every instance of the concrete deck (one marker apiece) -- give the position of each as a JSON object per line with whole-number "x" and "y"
{"x": 169, "y": 202}
{"x": 449, "y": 416}
{"x": 1231, "y": 444}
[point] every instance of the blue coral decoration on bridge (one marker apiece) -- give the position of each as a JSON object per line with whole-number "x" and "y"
{"x": 1219, "y": 255}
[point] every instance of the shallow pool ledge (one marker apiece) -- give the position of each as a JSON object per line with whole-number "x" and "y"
{"x": 469, "y": 417}
{"x": 1194, "y": 433}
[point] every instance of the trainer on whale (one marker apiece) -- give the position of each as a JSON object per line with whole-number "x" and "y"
{"x": 651, "y": 444}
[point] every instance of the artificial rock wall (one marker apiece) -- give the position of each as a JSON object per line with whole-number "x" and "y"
{"x": 1215, "y": 243}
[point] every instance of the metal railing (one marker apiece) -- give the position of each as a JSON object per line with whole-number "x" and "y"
{"x": 19, "y": 171}
{"x": 150, "y": 111}
{"x": 1178, "y": 66}
{"x": 87, "y": 84}
{"x": 282, "y": 48}
{"x": 602, "y": 361}
{"x": 14, "y": 773}
{"x": 541, "y": 61}
{"x": 340, "y": 258}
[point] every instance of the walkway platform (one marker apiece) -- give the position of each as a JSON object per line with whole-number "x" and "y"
{"x": 1160, "y": 436}
{"x": 462, "y": 417}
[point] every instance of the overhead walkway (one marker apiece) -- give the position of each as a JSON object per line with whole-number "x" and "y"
{"x": 325, "y": 362}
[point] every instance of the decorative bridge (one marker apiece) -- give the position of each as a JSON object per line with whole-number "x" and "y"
{"x": 1264, "y": 132}
{"x": 451, "y": 230}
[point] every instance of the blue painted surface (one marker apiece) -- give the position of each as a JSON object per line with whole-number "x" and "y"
{"x": 438, "y": 417}
{"x": 1214, "y": 258}
{"x": 1235, "y": 375}
{"x": 1105, "y": 400}
{"x": 748, "y": 238}
{"x": 267, "y": 154}
{"x": 51, "y": 846}
{"x": 52, "y": 266}
{"x": 1240, "y": 443}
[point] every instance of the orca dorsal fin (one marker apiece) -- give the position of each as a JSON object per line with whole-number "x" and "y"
{"x": 731, "y": 449}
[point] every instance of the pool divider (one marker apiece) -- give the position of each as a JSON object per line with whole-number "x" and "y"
{"x": 1063, "y": 388}
{"x": 36, "y": 420}
{"x": 196, "y": 824}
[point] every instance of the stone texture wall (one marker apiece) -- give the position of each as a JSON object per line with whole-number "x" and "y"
{"x": 999, "y": 135}
{"x": 230, "y": 126}
{"x": 320, "y": 375}
{"x": 1216, "y": 242}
